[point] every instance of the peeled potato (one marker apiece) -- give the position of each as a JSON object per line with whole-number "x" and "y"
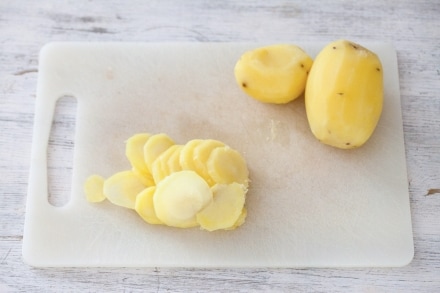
{"x": 179, "y": 197}
{"x": 160, "y": 168}
{"x": 122, "y": 188}
{"x": 170, "y": 184}
{"x": 201, "y": 155}
{"x": 144, "y": 206}
{"x": 240, "y": 221}
{"x": 147, "y": 179}
{"x": 187, "y": 154}
{"x": 156, "y": 145}
{"x": 174, "y": 160}
{"x": 93, "y": 187}
{"x": 273, "y": 74}
{"x": 134, "y": 151}
{"x": 226, "y": 165}
{"x": 344, "y": 94}
{"x": 225, "y": 209}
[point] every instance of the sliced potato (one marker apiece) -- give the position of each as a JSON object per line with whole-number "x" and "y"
{"x": 225, "y": 209}
{"x": 240, "y": 221}
{"x": 201, "y": 155}
{"x": 134, "y": 151}
{"x": 122, "y": 188}
{"x": 156, "y": 145}
{"x": 187, "y": 154}
{"x": 226, "y": 165}
{"x": 145, "y": 207}
{"x": 174, "y": 160}
{"x": 160, "y": 168}
{"x": 179, "y": 197}
{"x": 93, "y": 188}
{"x": 147, "y": 179}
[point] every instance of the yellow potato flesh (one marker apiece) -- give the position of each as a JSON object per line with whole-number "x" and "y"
{"x": 201, "y": 155}
{"x": 146, "y": 178}
{"x": 93, "y": 188}
{"x": 134, "y": 151}
{"x": 155, "y": 146}
{"x": 225, "y": 209}
{"x": 187, "y": 154}
{"x": 160, "y": 168}
{"x": 170, "y": 184}
{"x": 144, "y": 206}
{"x": 226, "y": 165}
{"x": 344, "y": 94}
{"x": 174, "y": 160}
{"x": 273, "y": 74}
{"x": 122, "y": 188}
{"x": 240, "y": 221}
{"x": 179, "y": 197}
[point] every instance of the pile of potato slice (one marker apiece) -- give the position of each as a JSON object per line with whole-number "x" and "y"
{"x": 201, "y": 183}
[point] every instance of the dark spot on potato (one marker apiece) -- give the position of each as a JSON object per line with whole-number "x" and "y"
{"x": 302, "y": 65}
{"x": 378, "y": 69}
{"x": 354, "y": 46}
{"x": 340, "y": 94}
{"x": 334, "y": 48}
{"x": 307, "y": 72}
{"x": 347, "y": 143}
{"x": 243, "y": 84}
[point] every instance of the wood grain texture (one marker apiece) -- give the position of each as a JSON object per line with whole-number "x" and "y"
{"x": 413, "y": 27}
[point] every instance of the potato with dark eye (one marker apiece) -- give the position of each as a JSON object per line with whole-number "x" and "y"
{"x": 344, "y": 94}
{"x": 273, "y": 74}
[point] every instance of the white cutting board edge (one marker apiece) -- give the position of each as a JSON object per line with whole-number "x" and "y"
{"x": 309, "y": 205}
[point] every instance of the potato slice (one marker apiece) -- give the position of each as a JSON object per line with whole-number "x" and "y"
{"x": 179, "y": 197}
{"x": 134, "y": 151}
{"x": 122, "y": 188}
{"x": 225, "y": 209}
{"x": 174, "y": 160}
{"x": 160, "y": 168}
{"x": 201, "y": 155}
{"x": 144, "y": 206}
{"x": 93, "y": 188}
{"x": 240, "y": 221}
{"x": 146, "y": 178}
{"x": 226, "y": 165}
{"x": 187, "y": 154}
{"x": 156, "y": 145}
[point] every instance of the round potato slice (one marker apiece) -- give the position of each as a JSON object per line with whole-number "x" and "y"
{"x": 122, "y": 188}
{"x": 93, "y": 188}
{"x": 144, "y": 206}
{"x": 187, "y": 154}
{"x": 201, "y": 155}
{"x": 226, "y": 165}
{"x": 179, "y": 197}
{"x": 134, "y": 151}
{"x": 160, "y": 168}
{"x": 174, "y": 160}
{"x": 155, "y": 146}
{"x": 225, "y": 209}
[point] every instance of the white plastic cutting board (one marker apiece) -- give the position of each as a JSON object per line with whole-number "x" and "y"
{"x": 309, "y": 205}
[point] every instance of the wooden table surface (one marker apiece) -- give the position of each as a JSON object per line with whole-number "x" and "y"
{"x": 413, "y": 27}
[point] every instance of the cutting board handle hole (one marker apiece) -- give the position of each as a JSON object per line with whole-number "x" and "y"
{"x": 60, "y": 151}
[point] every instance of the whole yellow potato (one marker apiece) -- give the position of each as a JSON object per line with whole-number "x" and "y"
{"x": 344, "y": 94}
